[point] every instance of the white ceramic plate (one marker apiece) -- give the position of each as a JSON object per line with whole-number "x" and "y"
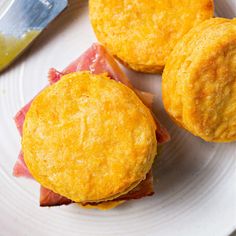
{"x": 195, "y": 181}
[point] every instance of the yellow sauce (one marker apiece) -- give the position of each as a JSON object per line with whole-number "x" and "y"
{"x": 11, "y": 47}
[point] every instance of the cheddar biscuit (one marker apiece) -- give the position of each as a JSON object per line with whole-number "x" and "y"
{"x": 89, "y": 138}
{"x": 142, "y": 33}
{"x": 199, "y": 81}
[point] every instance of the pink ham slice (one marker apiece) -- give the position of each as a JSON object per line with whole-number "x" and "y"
{"x": 97, "y": 60}
{"x": 20, "y": 169}
{"x": 20, "y": 117}
{"x": 49, "y": 198}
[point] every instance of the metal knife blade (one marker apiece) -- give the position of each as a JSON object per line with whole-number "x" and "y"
{"x": 21, "y": 22}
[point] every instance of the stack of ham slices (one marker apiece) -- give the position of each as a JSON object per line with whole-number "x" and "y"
{"x": 96, "y": 60}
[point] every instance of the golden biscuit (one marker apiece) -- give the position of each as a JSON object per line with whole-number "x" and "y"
{"x": 199, "y": 81}
{"x": 89, "y": 138}
{"x": 142, "y": 33}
